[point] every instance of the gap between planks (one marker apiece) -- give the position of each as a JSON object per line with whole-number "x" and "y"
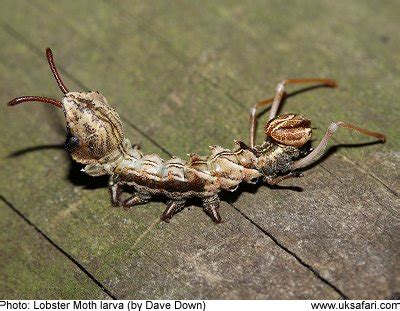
{"x": 57, "y": 247}
{"x": 293, "y": 254}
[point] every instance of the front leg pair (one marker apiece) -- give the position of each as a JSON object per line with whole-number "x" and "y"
{"x": 116, "y": 190}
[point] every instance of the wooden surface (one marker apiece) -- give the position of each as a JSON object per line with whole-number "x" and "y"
{"x": 183, "y": 75}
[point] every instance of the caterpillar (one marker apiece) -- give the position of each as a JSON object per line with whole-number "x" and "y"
{"x": 95, "y": 138}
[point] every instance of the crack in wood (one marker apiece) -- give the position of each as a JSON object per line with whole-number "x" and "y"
{"x": 61, "y": 250}
{"x": 293, "y": 254}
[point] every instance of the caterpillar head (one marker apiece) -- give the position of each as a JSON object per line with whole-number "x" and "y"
{"x": 94, "y": 129}
{"x": 289, "y": 130}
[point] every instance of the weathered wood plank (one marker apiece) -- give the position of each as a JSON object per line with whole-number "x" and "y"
{"x": 193, "y": 98}
{"x": 32, "y": 268}
{"x": 388, "y": 282}
{"x": 367, "y": 182}
{"x": 113, "y": 247}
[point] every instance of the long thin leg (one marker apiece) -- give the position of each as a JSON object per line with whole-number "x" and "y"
{"x": 172, "y": 208}
{"x": 276, "y": 101}
{"x": 314, "y": 155}
{"x": 211, "y": 205}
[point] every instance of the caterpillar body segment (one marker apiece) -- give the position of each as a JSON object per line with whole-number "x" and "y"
{"x": 95, "y": 138}
{"x": 198, "y": 176}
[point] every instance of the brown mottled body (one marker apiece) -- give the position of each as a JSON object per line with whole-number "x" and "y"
{"x": 95, "y": 137}
{"x": 202, "y": 176}
{"x": 199, "y": 176}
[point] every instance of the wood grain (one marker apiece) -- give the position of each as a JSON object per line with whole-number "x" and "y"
{"x": 183, "y": 77}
